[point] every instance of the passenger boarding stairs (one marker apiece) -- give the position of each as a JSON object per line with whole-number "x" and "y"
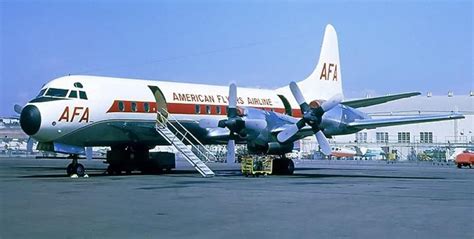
{"x": 180, "y": 137}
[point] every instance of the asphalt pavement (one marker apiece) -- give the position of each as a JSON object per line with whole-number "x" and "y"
{"x": 323, "y": 199}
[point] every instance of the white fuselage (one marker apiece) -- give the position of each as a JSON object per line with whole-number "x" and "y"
{"x": 129, "y": 100}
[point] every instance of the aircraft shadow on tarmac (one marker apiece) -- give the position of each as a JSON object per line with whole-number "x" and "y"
{"x": 96, "y": 172}
{"x": 301, "y": 175}
{"x": 100, "y": 172}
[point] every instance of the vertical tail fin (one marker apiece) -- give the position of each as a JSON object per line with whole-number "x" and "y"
{"x": 326, "y": 79}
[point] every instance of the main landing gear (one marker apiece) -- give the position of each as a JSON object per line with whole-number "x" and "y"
{"x": 75, "y": 168}
{"x": 126, "y": 159}
{"x": 138, "y": 158}
{"x": 283, "y": 166}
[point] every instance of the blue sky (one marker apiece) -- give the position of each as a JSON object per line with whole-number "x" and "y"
{"x": 385, "y": 46}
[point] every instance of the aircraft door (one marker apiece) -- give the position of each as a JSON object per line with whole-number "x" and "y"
{"x": 161, "y": 105}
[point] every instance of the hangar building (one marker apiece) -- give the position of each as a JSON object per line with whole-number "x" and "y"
{"x": 447, "y": 138}
{"x": 451, "y": 131}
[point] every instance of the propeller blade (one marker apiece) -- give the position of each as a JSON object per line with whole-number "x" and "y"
{"x": 17, "y": 108}
{"x": 255, "y": 124}
{"x": 29, "y": 145}
{"x": 295, "y": 90}
{"x": 232, "y": 95}
{"x": 230, "y": 151}
{"x": 287, "y": 133}
{"x": 323, "y": 143}
{"x": 333, "y": 101}
{"x": 209, "y": 123}
{"x": 89, "y": 153}
{"x": 232, "y": 111}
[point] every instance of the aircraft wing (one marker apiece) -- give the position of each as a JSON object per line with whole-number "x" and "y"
{"x": 373, "y": 123}
{"x": 212, "y": 136}
{"x": 377, "y": 100}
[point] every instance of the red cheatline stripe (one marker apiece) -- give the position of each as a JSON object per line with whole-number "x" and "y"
{"x": 123, "y": 106}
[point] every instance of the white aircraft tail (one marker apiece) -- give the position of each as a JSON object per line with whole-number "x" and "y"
{"x": 326, "y": 79}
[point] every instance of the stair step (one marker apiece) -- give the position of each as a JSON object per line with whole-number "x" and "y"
{"x": 189, "y": 155}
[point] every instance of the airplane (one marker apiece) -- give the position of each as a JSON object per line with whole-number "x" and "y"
{"x": 343, "y": 152}
{"x": 370, "y": 152}
{"x": 73, "y": 112}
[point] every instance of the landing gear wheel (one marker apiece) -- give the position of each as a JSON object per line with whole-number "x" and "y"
{"x": 75, "y": 169}
{"x": 70, "y": 169}
{"x": 113, "y": 169}
{"x": 80, "y": 171}
{"x": 283, "y": 166}
{"x": 290, "y": 167}
{"x": 110, "y": 170}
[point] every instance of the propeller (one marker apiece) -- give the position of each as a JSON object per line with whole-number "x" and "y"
{"x": 29, "y": 145}
{"x": 88, "y": 153}
{"x": 234, "y": 122}
{"x": 17, "y": 108}
{"x": 237, "y": 126}
{"x": 311, "y": 117}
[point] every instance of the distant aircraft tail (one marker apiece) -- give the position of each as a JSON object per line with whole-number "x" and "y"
{"x": 326, "y": 79}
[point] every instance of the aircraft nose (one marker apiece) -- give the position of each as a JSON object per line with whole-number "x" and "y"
{"x": 30, "y": 119}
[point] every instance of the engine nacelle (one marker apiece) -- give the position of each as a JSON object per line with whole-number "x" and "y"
{"x": 277, "y": 148}
{"x": 274, "y": 148}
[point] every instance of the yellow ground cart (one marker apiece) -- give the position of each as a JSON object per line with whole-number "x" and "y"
{"x": 256, "y": 165}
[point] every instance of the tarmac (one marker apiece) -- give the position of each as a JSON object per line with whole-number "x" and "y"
{"x": 323, "y": 199}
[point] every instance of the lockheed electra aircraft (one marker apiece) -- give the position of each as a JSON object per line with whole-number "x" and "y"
{"x": 74, "y": 112}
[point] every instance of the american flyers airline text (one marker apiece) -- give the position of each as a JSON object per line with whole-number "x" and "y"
{"x": 329, "y": 69}
{"x": 220, "y": 99}
{"x": 69, "y": 114}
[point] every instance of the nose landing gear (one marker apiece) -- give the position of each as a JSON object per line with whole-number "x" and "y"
{"x": 75, "y": 168}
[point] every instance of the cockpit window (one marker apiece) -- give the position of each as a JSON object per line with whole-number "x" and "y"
{"x": 41, "y": 93}
{"x": 78, "y": 85}
{"x": 56, "y": 92}
{"x": 82, "y": 95}
{"x": 72, "y": 94}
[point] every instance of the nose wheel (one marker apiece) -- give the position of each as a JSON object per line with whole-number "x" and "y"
{"x": 75, "y": 168}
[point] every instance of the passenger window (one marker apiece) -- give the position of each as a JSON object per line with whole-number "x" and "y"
{"x": 82, "y": 95}
{"x": 134, "y": 106}
{"x": 56, "y": 92}
{"x": 218, "y": 110}
{"x": 146, "y": 106}
{"x": 197, "y": 109}
{"x": 72, "y": 94}
{"x": 121, "y": 106}
{"x": 78, "y": 85}
{"x": 208, "y": 109}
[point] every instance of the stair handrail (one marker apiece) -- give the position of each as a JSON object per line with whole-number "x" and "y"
{"x": 165, "y": 121}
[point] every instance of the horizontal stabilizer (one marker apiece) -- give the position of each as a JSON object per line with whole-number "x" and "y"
{"x": 374, "y": 123}
{"x": 377, "y": 100}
